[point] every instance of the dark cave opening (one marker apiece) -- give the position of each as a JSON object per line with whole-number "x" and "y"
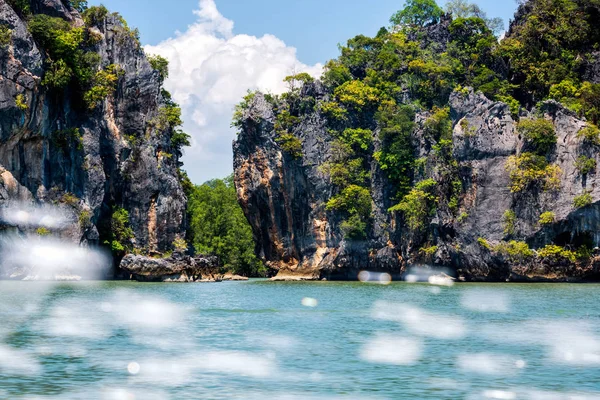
{"x": 575, "y": 240}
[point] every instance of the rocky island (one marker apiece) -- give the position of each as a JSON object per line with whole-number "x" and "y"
{"x": 86, "y": 126}
{"x": 434, "y": 144}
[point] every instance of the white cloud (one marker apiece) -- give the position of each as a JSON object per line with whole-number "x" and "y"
{"x": 210, "y": 70}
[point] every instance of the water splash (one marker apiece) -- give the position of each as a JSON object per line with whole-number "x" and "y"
{"x": 29, "y": 215}
{"x": 44, "y": 258}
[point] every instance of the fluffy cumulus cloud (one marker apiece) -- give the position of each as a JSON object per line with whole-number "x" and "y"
{"x": 210, "y": 70}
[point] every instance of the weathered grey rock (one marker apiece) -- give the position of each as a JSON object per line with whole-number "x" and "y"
{"x": 284, "y": 200}
{"x": 591, "y": 67}
{"x": 177, "y": 268}
{"x": 124, "y": 160}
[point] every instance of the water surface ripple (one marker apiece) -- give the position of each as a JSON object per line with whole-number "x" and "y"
{"x": 321, "y": 340}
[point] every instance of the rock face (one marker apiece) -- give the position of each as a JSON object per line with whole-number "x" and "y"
{"x": 488, "y": 196}
{"x": 122, "y": 160}
{"x": 177, "y": 268}
{"x": 284, "y": 199}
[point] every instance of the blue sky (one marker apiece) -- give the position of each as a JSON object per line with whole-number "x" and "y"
{"x": 300, "y": 35}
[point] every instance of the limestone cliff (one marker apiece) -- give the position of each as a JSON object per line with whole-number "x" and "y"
{"x": 88, "y": 160}
{"x": 475, "y": 222}
{"x": 285, "y": 198}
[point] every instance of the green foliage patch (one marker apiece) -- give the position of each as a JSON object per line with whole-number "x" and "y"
{"x": 104, "y": 84}
{"x": 582, "y": 98}
{"x": 583, "y": 200}
{"x": 463, "y": 9}
{"x": 169, "y": 119}
{"x": 585, "y": 165}
{"x": 5, "y": 35}
{"x": 539, "y": 132}
{"x": 64, "y": 45}
{"x": 528, "y": 169}
{"x": 396, "y": 157}
{"x": 21, "y": 102}
{"x": 355, "y": 202}
{"x": 590, "y": 134}
{"x": 514, "y": 250}
{"x": 543, "y": 49}
{"x": 418, "y": 205}
{"x": 43, "y": 231}
{"x": 547, "y": 218}
{"x": 121, "y": 232}
{"x": 95, "y": 15}
{"x": 428, "y": 251}
{"x": 418, "y": 13}
{"x": 218, "y": 226}
{"x": 556, "y": 253}
{"x": 484, "y": 243}
{"x": 510, "y": 219}
{"x": 22, "y": 7}
{"x": 160, "y": 65}
{"x": 290, "y": 144}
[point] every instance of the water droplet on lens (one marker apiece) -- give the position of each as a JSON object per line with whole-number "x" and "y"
{"x": 364, "y": 276}
{"x": 310, "y": 302}
{"x": 385, "y": 279}
{"x": 133, "y": 368}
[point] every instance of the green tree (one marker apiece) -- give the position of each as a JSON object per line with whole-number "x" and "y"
{"x": 547, "y": 218}
{"x": 95, "y": 15}
{"x": 528, "y": 169}
{"x": 65, "y": 45}
{"x": 121, "y": 232}
{"x": 585, "y": 165}
{"x": 539, "y": 133}
{"x": 295, "y": 82}
{"x": 355, "y": 202}
{"x": 546, "y": 46}
{"x": 217, "y": 225}
{"x": 104, "y": 84}
{"x": 464, "y": 9}
{"x": 396, "y": 157}
{"x": 20, "y": 6}
{"x": 161, "y": 65}
{"x": 418, "y": 13}
{"x": 418, "y": 205}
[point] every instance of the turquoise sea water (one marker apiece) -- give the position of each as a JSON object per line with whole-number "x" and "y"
{"x": 321, "y": 340}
